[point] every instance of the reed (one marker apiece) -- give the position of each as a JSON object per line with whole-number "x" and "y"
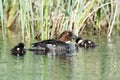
{"x": 2, "y": 19}
{"x": 26, "y": 18}
{"x": 48, "y": 18}
{"x": 114, "y": 13}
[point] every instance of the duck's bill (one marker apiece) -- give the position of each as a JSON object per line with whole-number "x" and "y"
{"x": 74, "y": 36}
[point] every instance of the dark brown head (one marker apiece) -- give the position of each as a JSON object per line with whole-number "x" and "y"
{"x": 66, "y": 36}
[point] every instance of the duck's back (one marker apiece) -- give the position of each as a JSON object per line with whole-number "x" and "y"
{"x": 53, "y": 44}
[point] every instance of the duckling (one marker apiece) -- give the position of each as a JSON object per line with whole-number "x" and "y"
{"x": 85, "y": 43}
{"x": 62, "y": 43}
{"x": 18, "y": 50}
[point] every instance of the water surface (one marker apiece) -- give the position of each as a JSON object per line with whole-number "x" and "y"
{"x": 101, "y": 63}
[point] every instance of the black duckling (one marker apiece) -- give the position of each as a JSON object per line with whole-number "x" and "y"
{"x": 85, "y": 43}
{"x": 18, "y": 50}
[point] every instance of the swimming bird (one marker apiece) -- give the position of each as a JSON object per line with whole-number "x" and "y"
{"x": 63, "y": 43}
{"x": 18, "y": 50}
{"x": 85, "y": 43}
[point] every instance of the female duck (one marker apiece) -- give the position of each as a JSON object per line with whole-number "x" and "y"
{"x": 18, "y": 50}
{"x": 85, "y": 43}
{"x": 63, "y": 43}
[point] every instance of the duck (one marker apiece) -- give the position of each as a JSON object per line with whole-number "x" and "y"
{"x": 18, "y": 50}
{"x": 63, "y": 43}
{"x": 85, "y": 43}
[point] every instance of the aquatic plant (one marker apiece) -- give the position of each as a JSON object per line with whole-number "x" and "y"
{"x": 42, "y": 19}
{"x": 2, "y": 24}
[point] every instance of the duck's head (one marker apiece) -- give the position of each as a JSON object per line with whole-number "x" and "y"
{"x": 21, "y": 45}
{"x": 79, "y": 40}
{"x": 18, "y": 50}
{"x": 66, "y": 36}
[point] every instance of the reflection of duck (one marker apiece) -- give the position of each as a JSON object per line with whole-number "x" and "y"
{"x": 63, "y": 43}
{"x": 55, "y": 53}
{"x": 18, "y": 50}
{"x": 85, "y": 43}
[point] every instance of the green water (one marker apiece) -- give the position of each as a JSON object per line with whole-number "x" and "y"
{"x": 101, "y": 63}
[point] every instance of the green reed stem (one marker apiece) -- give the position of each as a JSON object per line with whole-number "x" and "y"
{"x": 86, "y": 12}
{"x": 31, "y": 18}
{"x": 46, "y": 18}
{"x": 2, "y": 19}
{"x": 22, "y": 17}
{"x": 113, "y": 19}
{"x": 42, "y": 20}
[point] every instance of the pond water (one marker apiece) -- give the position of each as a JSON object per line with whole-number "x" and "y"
{"x": 100, "y": 63}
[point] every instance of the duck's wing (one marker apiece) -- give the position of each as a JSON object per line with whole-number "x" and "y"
{"x": 50, "y": 41}
{"x": 54, "y": 42}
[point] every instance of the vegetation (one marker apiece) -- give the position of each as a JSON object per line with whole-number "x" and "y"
{"x": 42, "y": 19}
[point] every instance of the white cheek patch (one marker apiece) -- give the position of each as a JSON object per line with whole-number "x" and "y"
{"x": 80, "y": 41}
{"x": 89, "y": 41}
{"x": 18, "y": 49}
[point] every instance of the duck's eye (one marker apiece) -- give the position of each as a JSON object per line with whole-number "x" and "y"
{"x": 67, "y": 33}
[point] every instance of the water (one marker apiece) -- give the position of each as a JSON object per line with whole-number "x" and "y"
{"x": 101, "y": 63}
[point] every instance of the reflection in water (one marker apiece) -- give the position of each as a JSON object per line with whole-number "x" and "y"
{"x": 55, "y": 53}
{"x": 101, "y": 63}
{"x": 53, "y": 68}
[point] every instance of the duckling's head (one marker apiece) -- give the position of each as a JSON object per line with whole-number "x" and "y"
{"x": 21, "y": 45}
{"x": 66, "y": 36}
{"x": 18, "y": 50}
{"x": 79, "y": 40}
